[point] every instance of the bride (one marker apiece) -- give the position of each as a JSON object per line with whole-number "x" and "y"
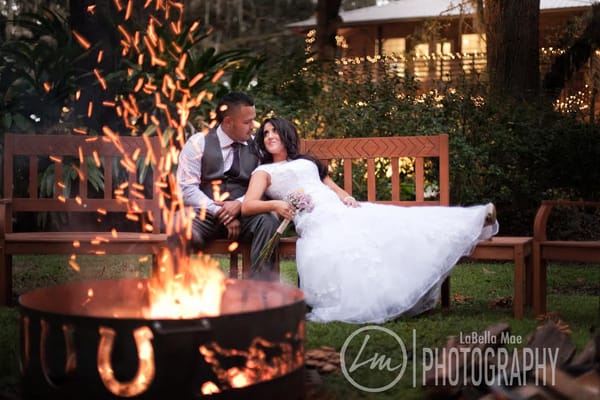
{"x": 360, "y": 262}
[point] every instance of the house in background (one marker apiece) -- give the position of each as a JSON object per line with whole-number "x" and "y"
{"x": 433, "y": 39}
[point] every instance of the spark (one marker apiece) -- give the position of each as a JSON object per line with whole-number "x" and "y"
{"x": 81, "y": 40}
{"x": 100, "y": 78}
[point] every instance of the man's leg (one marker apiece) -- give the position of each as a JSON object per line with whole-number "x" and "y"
{"x": 258, "y": 230}
{"x": 202, "y": 231}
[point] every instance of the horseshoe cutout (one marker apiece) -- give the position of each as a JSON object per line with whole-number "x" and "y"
{"x": 71, "y": 356}
{"x": 146, "y": 370}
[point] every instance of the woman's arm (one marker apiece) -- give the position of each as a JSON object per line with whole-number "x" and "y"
{"x": 253, "y": 202}
{"x": 341, "y": 193}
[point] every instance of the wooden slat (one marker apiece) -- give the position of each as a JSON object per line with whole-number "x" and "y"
{"x": 58, "y": 180}
{"x": 419, "y": 179}
{"x": 89, "y": 205}
{"x": 371, "y": 181}
{"x": 8, "y": 167}
{"x": 348, "y": 175}
{"x": 407, "y": 146}
{"x": 108, "y": 178}
{"x": 131, "y": 180}
{"x": 395, "y": 163}
{"x": 33, "y": 177}
{"x": 83, "y": 187}
{"x": 444, "y": 182}
{"x": 68, "y": 145}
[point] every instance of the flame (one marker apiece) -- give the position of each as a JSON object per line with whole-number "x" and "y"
{"x": 193, "y": 288}
{"x": 259, "y": 365}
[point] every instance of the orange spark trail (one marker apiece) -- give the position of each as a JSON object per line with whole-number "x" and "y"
{"x": 81, "y": 40}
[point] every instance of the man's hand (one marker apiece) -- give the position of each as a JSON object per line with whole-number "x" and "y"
{"x": 229, "y": 211}
{"x": 233, "y": 229}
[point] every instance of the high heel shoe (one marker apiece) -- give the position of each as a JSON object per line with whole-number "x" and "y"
{"x": 490, "y": 217}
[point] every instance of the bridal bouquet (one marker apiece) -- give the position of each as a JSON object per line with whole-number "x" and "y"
{"x": 301, "y": 202}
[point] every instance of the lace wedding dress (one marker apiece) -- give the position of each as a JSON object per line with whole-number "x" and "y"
{"x": 375, "y": 262}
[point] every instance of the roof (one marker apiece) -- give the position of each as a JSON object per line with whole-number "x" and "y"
{"x": 418, "y": 9}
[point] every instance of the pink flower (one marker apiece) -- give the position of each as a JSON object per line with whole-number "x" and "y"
{"x": 300, "y": 200}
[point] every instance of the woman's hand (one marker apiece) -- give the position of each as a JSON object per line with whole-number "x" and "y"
{"x": 284, "y": 209}
{"x": 350, "y": 201}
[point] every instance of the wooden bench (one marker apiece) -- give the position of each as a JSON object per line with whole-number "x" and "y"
{"x": 545, "y": 250}
{"x": 27, "y": 157}
{"x": 430, "y": 155}
{"x": 350, "y": 153}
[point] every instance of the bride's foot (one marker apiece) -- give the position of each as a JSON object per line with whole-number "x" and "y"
{"x": 490, "y": 217}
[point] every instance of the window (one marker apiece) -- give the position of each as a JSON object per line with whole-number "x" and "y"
{"x": 473, "y": 50}
{"x": 393, "y": 46}
{"x": 430, "y": 63}
{"x": 473, "y": 43}
{"x": 422, "y": 50}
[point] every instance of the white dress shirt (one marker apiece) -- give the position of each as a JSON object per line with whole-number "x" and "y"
{"x": 189, "y": 170}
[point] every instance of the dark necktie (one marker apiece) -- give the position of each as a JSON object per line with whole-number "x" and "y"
{"x": 235, "y": 165}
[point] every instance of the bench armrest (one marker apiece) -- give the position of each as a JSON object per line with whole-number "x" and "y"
{"x": 541, "y": 218}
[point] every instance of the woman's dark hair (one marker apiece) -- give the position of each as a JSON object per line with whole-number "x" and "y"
{"x": 231, "y": 101}
{"x": 289, "y": 138}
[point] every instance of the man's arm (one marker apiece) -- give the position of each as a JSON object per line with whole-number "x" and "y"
{"x": 189, "y": 174}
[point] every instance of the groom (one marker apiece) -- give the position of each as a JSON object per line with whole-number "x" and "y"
{"x": 221, "y": 162}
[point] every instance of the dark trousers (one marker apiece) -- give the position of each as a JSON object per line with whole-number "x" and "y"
{"x": 255, "y": 230}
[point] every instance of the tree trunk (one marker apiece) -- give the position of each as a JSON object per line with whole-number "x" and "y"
{"x": 327, "y": 23}
{"x": 513, "y": 54}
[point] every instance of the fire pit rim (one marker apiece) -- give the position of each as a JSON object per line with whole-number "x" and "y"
{"x": 30, "y": 300}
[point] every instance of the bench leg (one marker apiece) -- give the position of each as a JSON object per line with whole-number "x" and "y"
{"x": 539, "y": 282}
{"x": 519, "y": 282}
{"x": 5, "y": 279}
{"x": 246, "y": 263}
{"x": 446, "y": 293}
{"x": 233, "y": 265}
{"x": 529, "y": 281}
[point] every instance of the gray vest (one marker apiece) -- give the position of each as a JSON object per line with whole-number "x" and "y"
{"x": 213, "y": 170}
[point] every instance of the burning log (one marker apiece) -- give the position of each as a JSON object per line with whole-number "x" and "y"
{"x": 546, "y": 367}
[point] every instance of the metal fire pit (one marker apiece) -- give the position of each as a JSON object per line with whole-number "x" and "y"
{"x": 74, "y": 346}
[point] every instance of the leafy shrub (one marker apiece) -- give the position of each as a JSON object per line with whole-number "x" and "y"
{"x": 501, "y": 150}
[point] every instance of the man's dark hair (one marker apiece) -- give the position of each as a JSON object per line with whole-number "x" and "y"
{"x": 230, "y": 101}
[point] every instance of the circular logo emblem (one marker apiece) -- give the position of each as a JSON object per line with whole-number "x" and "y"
{"x": 369, "y": 350}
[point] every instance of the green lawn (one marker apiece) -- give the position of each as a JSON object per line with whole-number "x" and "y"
{"x": 574, "y": 294}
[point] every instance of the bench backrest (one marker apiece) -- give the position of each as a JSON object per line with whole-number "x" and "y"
{"x": 429, "y": 155}
{"x": 28, "y": 158}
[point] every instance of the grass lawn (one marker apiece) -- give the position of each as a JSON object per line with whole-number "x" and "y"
{"x": 574, "y": 294}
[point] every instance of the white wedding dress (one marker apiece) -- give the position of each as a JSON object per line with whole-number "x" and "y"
{"x": 375, "y": 262}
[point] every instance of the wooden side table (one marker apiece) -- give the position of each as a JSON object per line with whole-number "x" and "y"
{"x": 519, "y": 250}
